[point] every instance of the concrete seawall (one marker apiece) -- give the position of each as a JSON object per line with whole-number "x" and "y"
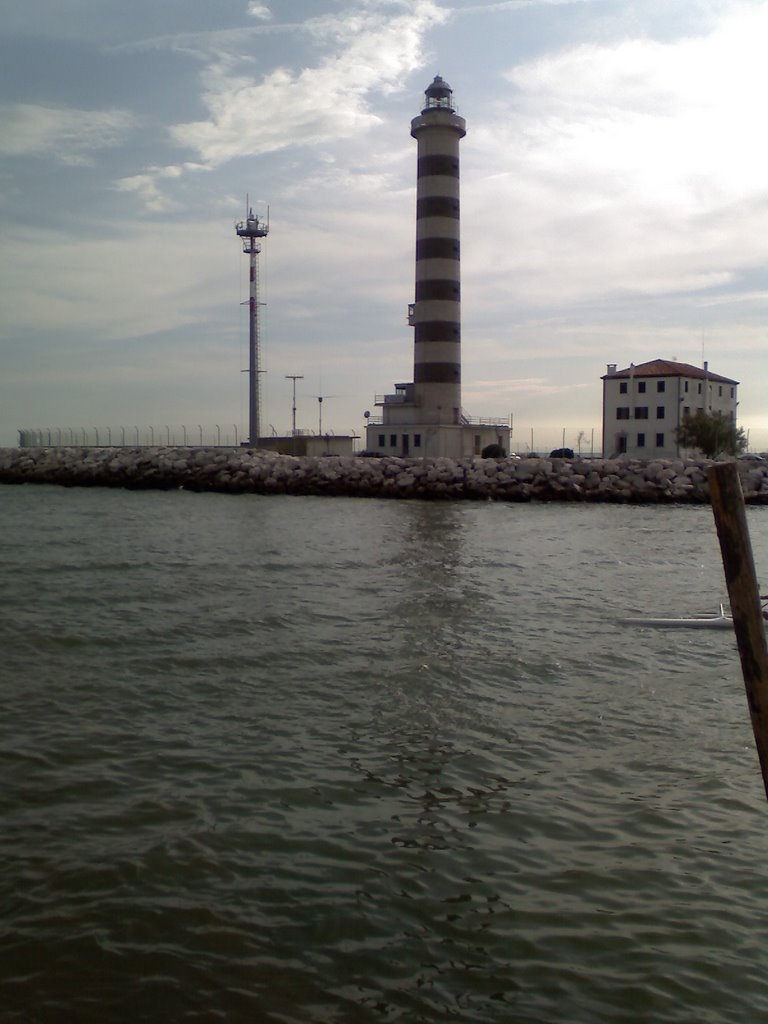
{"x": 237, "y": 471}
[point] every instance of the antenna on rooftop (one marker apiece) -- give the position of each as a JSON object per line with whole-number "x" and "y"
{"x": 320, "y": 399}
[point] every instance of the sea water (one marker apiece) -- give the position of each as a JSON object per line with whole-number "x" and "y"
{"x": 329, "y": 760}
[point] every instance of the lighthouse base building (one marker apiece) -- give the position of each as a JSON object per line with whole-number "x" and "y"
{"x": 403, "y": 430}
{"x": 424, "y": 417}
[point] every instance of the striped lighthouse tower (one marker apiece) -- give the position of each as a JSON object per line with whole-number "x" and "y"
{"x": 424, "y": 417}
{"x": 436, "y": 313}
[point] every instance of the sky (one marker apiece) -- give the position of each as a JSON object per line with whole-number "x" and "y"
{"x": 613, "y": 205}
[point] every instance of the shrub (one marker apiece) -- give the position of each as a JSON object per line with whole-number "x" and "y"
{"x": 494, "y": 451}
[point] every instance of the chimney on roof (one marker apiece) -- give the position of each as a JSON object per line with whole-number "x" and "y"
{"x": 611, "y": 367}
{"x": 706, "y": 365}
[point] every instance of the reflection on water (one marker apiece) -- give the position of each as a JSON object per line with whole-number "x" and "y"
{"x": 296, "y": 760}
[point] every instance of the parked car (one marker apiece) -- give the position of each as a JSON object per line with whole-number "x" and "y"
{"x": 561, "y": 453}
{"x": 753, "y": 457}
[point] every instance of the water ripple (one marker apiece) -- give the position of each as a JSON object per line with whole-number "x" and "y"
{"x": 297, "y": 760}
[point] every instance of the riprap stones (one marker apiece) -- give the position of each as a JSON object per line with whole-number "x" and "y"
{"x": 248, "y": 470}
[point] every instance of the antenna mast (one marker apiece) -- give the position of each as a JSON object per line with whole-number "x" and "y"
{"x": 252, "y": 230}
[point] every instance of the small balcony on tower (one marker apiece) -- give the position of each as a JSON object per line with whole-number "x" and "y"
{"x": 405, "y": 394}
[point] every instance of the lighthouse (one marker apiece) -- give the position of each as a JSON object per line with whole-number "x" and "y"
{"x": 424, "y": 417}
{"x": 436, "y": 313}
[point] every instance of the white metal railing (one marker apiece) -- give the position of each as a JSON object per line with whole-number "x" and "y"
{"x": 485, "y": 421}
{"x": 396, "y": 398}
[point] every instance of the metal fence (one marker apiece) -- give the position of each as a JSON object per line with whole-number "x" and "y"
{"x": 230, "y": 435}
{"x": 135, "y": 436}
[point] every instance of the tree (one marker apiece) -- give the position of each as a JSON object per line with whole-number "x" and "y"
{"x": 713, "y": 433}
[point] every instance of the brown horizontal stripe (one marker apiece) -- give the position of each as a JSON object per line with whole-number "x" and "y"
{"x": 437, "y": 249}
{"x": 437, "y": 373}
{"x": 437, "y": 206}
{"x": 437, "y": 164}
{"x": 437, "y": 330}
{"x": 438, "y": 289}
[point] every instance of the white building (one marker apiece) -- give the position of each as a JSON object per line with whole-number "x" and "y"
{"x": 424, "y": 417}
{"x": 644, "y": 405}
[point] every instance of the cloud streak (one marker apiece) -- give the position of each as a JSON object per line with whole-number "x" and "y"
{"x": 525, "y": 385}
{"x": 514, "y": 5}
{"x": 60, "y": 133}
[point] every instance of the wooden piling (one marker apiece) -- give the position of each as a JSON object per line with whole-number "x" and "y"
{"x": 744, "y": 594}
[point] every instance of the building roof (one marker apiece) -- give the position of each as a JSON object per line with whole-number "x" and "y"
{"x": 668, "y": 368}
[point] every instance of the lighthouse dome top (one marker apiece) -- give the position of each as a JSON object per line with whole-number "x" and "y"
{"x": 439, "y": 95}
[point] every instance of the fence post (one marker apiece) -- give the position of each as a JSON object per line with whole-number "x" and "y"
{"x": 744, "y": 594}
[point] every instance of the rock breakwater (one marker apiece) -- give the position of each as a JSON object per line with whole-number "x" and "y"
{"x": 245, "y": 470}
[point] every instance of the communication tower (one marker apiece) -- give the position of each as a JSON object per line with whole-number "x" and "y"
{"x": 252, "y": 230}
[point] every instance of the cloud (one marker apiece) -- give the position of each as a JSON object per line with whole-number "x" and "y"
{"x": 260, "y": 11}
{"x": 373, "y": 49}
{"x": 635, "y": 168}
{"x": 147, "y": 185}
{"x": 67, "y": 135}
